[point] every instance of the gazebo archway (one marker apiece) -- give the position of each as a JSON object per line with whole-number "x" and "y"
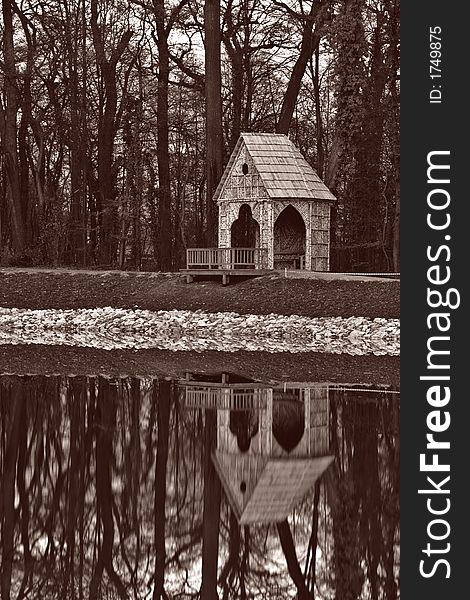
{"x": 289, "y": 239}
{"x": 244, "y": 232}
{"x": 244, "y": 424}
{"x": 288, "y": 419}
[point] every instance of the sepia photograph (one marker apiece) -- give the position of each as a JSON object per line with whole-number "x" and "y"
{"x": 200, "y": 300}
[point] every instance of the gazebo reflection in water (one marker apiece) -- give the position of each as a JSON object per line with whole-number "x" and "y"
{"x": 273, "y": 443}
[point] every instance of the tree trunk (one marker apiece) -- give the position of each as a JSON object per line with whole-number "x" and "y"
{"x": 211, "y": 512}
{"x": 163, "y": 427}
{"x": 107, "y": 128}
{"x": 318, "y": 114}
{"x": 164, "y": 258}
{"x": 75, "y": 250}
{"x": 214, "y": 136}
{"x": 7, "y": 490}
{"x": 310, "y": 41}
{"x": 310, "y": 563}
{"x": 288, "y": 547}
{"x": 106, "y": 193}
{"x": 106, "y": 422}
{"x": 396, "y": 230}
{"x": 8, "y": 131}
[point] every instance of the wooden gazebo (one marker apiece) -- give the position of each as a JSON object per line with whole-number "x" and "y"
{"x": 272, "y": 444}
{"x": 274, "y": 211}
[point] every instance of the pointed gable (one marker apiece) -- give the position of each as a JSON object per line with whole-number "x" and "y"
{"x": 239, "y": 474}
{"x": 268, "y": 165}
{"x": 265, "y": 490}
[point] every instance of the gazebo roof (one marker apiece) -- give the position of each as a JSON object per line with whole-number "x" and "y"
{"x": 272, "y": 486}
{"x": 283, "y": 170}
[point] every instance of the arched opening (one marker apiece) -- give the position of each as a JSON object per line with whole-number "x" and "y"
{"x": 288, "y": 419}
{"x": 244, "y": 424}
{"x": 245, "y": 230}
{"x": 289, "y": 240}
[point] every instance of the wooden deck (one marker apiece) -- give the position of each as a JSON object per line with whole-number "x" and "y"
{"x": 252, "y": 262}
{"x": 225, "y": 274}
{"x": 225, "y": 263}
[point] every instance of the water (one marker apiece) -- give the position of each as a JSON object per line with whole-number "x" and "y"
{"x": 202, "y": 483}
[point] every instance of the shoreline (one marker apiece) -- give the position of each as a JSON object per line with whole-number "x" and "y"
{"x": 313, "y": 298}
{"x": 261, "y": 366}
{"x": 309, "y": 297}
{"x": 116, "y": 329}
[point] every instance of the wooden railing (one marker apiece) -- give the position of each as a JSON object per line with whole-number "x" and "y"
{"x": 233, "y": 399}
{"x": 289, "y": 260}
{"x": 226, "y": 258}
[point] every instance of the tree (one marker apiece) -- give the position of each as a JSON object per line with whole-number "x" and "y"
{"x": 105, "y": 423}
{"x": 211, "y": 514}
{"x": 9, "y": 131}
{"x": 213, "y": 111}
{"x": 113, "y": 137}
{"x": 163, "y": 424}
{"x": 108, "y": 123}
{"x": 8, "y": 489}
{"x": 288, "y": 547}
{"x": 311, "y": 25}
{"x": 163, "y": 158}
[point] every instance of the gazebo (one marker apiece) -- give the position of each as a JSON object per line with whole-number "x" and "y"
{"x": 270, "y": 197}
{"x": 272, "y": 445}
{"x": 274, "y": 211}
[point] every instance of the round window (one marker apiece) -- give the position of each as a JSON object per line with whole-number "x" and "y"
{"x": 245, "y": 169}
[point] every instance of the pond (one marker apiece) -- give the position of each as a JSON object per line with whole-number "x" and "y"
{"x": 199, "y": 483}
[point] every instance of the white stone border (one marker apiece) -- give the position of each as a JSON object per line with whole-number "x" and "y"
{"x": 114, "y": 328}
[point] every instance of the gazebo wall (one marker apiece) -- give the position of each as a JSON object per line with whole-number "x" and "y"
{"x": 316, "y": 437}
{"x": 320, "y": 237}
{"x": 261, "y": 443}
{"x": 262, "y": 213}
{"x": 316, "y": 217}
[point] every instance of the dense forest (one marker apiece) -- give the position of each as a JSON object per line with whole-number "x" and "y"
{"x": 117, "y": 118}
{"x": 107, "y": 491}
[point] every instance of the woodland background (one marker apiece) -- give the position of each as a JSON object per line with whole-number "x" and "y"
{"x": 117, "y": 118}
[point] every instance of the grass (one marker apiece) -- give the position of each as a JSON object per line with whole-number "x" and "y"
{"x": 263, "y": 295}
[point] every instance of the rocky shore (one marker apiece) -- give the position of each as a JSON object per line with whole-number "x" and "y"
{"x": 179, "y": 330}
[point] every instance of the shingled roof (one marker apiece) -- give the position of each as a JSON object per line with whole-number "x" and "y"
{"x": 283, "y": 170}
{"x": 271, "y": 487}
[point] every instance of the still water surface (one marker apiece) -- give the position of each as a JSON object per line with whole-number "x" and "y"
{"x": 203, "y": 487}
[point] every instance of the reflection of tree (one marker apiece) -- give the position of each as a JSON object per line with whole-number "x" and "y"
{"x": 310, "y": 561}
{"x": 11, "y": 439}
{"x": 363, "y": 497}
{"x": 211, "y": 513}
{"x": 163, "y": 425}
{"x": 233, "y": 574}
{"x": 288, "y": 547}
{"x": 80, "y": 452}
{"x": 105, "y": 424}
{"x": 103, "y": 494}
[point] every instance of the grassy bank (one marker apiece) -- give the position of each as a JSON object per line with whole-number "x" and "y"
{"x": 263, "y": 295}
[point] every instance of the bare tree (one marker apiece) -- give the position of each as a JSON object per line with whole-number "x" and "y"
{"x": 214, "y": 132}
{"x": 311, "y": 25}
{"x": 108, "y": 123}
{"x": 8, "y": 129}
